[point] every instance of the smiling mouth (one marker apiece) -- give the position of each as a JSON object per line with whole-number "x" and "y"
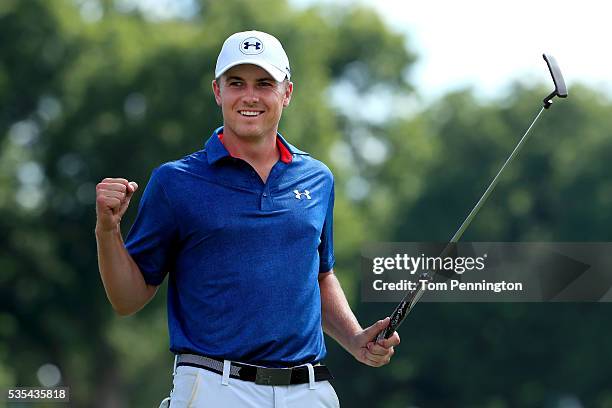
{"x": 250, "y": 113}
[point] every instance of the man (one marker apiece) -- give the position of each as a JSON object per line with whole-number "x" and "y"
{"x": 245, "y": 229}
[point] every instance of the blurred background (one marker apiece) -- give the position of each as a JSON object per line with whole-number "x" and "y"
{"x": 414, "y": 109}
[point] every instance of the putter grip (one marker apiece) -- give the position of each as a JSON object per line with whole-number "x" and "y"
{"x": 396, "y": 319}
{"x": 385, "y": 334}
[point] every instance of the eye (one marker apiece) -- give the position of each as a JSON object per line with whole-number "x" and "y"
{"x": 235, "y": 83}
{"x": 266, "y": 84}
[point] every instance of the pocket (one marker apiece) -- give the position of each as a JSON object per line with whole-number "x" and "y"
{"x": 185, "y": 387}
{"x": 332, "y": 397}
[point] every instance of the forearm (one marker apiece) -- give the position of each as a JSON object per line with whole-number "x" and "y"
{"x": 123, "y": 282}
{"x": 339, "y": 321}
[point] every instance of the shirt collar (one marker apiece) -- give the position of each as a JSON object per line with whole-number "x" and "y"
{"x": 215, "y": 150}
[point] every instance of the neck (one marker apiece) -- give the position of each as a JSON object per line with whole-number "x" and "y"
{"x": 254, "y": 150}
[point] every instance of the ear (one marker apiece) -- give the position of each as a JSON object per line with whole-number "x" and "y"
{"x": 217, "y": 91}
{"x": 288, "y": 93}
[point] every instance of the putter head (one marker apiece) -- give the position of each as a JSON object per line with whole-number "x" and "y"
{"x": 557, "y": 76}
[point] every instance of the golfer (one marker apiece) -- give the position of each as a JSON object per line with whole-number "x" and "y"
{"x": 243, "y": 229}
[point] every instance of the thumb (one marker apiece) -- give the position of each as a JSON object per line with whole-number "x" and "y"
{"x": 132, "y": 187}
{"x": 377, "y": 327}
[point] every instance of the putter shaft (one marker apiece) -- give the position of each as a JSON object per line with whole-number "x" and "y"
{"x": 412, "y": 297}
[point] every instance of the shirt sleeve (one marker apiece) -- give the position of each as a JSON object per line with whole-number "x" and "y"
{"x": 152, "y": 238}
{"x": 326, "y": 247}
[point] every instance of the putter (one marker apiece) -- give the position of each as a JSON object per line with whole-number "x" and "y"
{"x": 413, "y": 296}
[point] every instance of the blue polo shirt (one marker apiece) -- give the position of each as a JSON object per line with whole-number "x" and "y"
{"x": 242, "y": 256}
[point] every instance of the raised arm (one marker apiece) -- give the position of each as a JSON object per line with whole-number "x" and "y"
{"x": 123, "y": 282}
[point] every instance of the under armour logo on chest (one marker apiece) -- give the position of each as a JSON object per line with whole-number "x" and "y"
{"x": 299, "y": 195}
{"x": 256, "y": 44}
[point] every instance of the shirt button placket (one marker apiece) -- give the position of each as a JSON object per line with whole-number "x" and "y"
{"x": 266, "y": 200}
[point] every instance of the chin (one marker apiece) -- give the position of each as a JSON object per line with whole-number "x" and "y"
{"x": 248, "y": 131}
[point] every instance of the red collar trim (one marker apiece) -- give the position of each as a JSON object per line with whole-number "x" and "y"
{"x": 285, "y": 155}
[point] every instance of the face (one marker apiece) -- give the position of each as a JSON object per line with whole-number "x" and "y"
{"x": 251, "y": 101}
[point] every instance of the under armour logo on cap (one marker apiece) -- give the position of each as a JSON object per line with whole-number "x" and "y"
{"x": 251, "y": 46}
{"x": 299, "y": 195}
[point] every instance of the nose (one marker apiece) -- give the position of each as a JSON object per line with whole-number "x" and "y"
{"x": 250, "y": 95}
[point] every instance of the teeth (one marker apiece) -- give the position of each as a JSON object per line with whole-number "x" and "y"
{"x": 249, "y": 113}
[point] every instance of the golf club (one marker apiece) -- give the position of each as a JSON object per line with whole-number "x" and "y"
{"x": 413, "y": 296}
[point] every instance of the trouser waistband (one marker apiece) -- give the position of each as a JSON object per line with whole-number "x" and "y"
{"x": 258, "y": 375}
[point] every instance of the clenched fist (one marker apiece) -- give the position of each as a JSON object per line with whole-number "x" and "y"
{"x": 112, "y": 199}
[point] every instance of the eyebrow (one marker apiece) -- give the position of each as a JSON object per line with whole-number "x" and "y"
{"x": 237, "y": 78}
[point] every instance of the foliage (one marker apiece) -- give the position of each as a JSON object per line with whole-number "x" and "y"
{"x": 86, "y": 97}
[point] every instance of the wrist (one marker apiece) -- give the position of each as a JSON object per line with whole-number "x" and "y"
{"x": 106, "y": 230}
{"x": 353, "y": 343}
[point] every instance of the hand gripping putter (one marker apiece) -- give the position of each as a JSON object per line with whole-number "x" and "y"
{"x": 413, "y": 296}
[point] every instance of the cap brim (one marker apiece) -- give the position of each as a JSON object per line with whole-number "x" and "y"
{"x": 278, "y": 74}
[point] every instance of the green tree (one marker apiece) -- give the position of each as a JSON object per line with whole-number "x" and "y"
{"x": 89, "y": 89}
{"x": 497, "y": 355}
{"x": 97, "y": 91}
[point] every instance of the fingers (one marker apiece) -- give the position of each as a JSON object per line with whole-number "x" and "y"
{"x": 110, "y": 185}
{"x": 378, "y": 350}
{"x": 116, "y": 182}
{"x": 110, "y": 194}
{"x": 112, "y": 199}
{"x": 379, "y": 353}
{"x": 377, "y": 356}
{"x": 120, "y": 195}
{"x": 394, "y": 340}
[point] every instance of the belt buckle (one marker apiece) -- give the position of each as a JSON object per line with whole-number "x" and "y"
{"x": 273, "y": 376}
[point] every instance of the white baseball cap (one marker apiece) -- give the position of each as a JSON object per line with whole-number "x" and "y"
{"x": 257, "y": 48}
